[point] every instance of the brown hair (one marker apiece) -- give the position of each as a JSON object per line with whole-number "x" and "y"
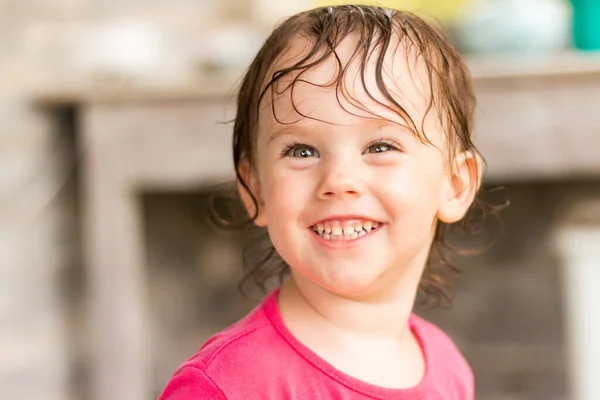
{"x": 451, "y": 97}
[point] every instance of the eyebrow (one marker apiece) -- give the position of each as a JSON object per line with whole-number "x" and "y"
{"x": 285, "y": 131}
{"x": 404, "y": 129}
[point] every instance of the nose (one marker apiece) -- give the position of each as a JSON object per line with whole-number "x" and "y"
{"x": 340, "y": 179}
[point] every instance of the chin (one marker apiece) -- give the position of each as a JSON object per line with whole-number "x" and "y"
{"x": 349, "y": 285}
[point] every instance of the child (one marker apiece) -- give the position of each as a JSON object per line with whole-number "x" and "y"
{"x": 352, "y": 146}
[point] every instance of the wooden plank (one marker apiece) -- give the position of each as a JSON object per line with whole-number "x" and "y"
{"x": 126, "y": 149}
{"x": 540, "y": 129}
{"x": 576, "y": 239}
{"x": 113, "y": 261}
{"x": 173, "y": 144}
{"x": 534, "y": 129}
{"x": 218, "y": 84}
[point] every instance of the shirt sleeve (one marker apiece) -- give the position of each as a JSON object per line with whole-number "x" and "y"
{"x": 191, "y": 384}
{"x": 471, "y": 386}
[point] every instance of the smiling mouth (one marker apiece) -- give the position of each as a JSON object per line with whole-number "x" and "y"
{"x": 345, "y": 230}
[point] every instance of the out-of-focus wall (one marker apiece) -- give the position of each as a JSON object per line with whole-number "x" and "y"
{"x": 43, "y": 42}
{"x": 34, "y": 250}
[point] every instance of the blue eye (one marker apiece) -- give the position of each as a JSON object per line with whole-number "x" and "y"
{"x": 300, "y": 151}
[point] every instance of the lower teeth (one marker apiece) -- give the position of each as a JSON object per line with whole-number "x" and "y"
{"x": 330, "y": 236}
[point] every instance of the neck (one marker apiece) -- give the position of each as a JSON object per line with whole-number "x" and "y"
{"x": 383, "y": 315}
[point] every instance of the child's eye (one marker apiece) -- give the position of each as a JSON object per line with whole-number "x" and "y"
{"x": 300, "y": 151}
{"x": 381, "y": 147}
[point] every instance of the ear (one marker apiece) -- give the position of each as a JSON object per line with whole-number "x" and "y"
{"x": 461, "y": 187}
{"x": 252, "y": 199}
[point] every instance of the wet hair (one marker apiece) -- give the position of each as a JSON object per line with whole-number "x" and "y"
{"x": 378, "y": 32}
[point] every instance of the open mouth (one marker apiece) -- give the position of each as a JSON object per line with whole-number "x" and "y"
{"x": 345, "y": 230}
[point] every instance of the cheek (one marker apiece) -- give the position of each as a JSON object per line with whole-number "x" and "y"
{"x": 416, "y": 189}
{"x": 285, "y": 197}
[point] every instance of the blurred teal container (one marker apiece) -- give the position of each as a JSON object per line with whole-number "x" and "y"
{"x": 586, "y": 24}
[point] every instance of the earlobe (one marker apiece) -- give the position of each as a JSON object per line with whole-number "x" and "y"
{"x": 461, "y": 187}
{"x": 249, "y": 190}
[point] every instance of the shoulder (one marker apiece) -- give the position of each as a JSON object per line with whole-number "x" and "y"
{"x": 434, "y": 338}
{"x": 235, "y": 358}
{"x": 431, "y": 333}
{"x": 198, "y": 377}
{"x": 443, "y": 356}
{"x": 191, "y": 383}
{"x": 247, "y": 335}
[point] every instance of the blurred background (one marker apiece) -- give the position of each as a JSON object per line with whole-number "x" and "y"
{"x": 112, "y": 144}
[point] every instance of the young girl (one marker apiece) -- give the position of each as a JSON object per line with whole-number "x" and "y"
{"x": 352, "y": 146}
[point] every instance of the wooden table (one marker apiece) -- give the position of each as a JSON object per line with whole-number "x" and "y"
{"x": 538, "y": 119}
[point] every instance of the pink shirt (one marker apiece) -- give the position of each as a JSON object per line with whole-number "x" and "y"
{"x": 258, "y": 358}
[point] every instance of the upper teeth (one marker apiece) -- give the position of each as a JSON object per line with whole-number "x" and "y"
{"x": 352, "y": 229}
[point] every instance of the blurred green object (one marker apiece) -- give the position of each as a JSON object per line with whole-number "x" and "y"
{"x": 586, "y": 24}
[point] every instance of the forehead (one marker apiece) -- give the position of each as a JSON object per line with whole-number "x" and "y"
{"x": 345, "y": 88}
